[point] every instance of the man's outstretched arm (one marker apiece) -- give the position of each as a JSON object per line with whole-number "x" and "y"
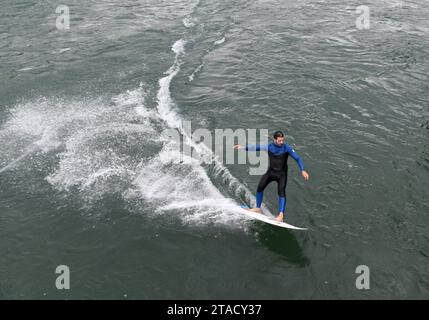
{"x": 252, "y": 147}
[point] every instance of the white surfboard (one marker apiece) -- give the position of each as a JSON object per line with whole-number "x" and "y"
{"x": 264, "y": 218}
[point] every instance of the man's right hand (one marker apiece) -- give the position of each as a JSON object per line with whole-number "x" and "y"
{"x": 238, "y": 146}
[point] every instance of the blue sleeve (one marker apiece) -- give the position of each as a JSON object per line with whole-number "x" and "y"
{"x": 257, "y": 147}
{"x": 295, "y": 156}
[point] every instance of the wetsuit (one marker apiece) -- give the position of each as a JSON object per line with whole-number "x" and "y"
{"x": 277, "y": 170}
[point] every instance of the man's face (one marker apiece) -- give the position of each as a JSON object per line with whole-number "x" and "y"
{"x": 280, "y": 141}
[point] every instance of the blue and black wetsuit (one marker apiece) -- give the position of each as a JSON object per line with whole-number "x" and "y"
{"x": 277, "y": 170}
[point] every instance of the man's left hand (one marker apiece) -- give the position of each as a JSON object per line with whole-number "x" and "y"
{"x": 305, "y": 175}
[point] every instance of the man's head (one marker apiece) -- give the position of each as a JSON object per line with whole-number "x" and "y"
{"x": 279, "y": 138}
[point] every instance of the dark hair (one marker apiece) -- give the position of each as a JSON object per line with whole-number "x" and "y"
{"x": 278, "y": 134}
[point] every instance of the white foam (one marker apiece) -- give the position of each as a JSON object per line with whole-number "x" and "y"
{"x": 61, "y": 50}
{"x": 220, "y": 41}
{"x": 197, "y": 69}
{"x": 26, "y": 69}
{"x": 186, "y": 187}
{"x": 86, "y": 134}
{"x": 96, "y": 138}
{"x": 165, "y": 103}
{"x": 95, "y": 161}
{"x": 189, "y": 22}
{"x": 178, "y": 48}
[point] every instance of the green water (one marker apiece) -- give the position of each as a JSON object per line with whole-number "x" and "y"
{"x": 83, "y": 176}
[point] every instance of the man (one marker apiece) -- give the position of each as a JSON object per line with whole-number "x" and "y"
{"x": 278, "y": 153}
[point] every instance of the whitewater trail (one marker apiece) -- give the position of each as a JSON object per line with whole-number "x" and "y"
{"x": 183, "y": 187}
{"x": 114, "y": 147}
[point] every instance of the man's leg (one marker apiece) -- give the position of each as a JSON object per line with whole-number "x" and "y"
{"x": 281, "y": 190}
{"x": 265, "y": 180}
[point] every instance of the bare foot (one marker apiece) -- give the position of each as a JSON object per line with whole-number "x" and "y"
{"x": 280, "y": 217}
{"x": 255, "y": 209}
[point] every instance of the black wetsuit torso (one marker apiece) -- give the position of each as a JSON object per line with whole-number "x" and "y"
{"x": 277, "y": 170}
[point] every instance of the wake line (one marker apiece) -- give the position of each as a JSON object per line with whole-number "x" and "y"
{"x": 10, "y": 165}
{"x": 33, "y": 147}
{"x": 173, "y": 120}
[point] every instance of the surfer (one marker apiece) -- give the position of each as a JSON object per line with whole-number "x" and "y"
{"x": 278, "y": 153}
